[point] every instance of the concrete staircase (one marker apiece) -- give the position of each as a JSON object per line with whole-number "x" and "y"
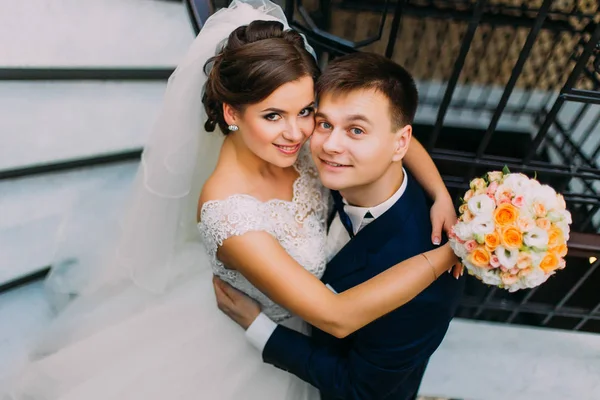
{"x": 56, "y": 107}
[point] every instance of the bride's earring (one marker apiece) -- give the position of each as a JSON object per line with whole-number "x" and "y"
{"x": 233, "y": 128}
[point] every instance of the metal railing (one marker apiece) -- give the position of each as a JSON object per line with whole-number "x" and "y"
{"x": 535, "y": 65}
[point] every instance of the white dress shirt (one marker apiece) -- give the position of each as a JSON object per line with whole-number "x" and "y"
{"x": 259, "y": 332}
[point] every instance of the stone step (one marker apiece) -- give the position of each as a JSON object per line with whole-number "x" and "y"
{"x": 43, "y": 122}
{"x": 70, "y": 33}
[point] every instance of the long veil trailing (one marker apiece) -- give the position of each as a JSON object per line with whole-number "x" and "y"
{"x": 158, "y": 239}
{"x": 143, "y": 323}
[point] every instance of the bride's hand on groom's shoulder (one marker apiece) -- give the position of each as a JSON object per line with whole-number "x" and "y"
{"x": 443, "y": 218}
{"x": 235, "y": 304}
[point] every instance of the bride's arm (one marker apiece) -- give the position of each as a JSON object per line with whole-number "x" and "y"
{"x": 262, "y": 260}
{"x": 418, "y": 161}
{"x": 443, "y": 214}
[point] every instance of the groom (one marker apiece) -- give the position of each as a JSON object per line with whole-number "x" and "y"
{"x": 366, "y": 105}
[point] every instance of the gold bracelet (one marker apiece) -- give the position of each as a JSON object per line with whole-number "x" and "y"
{"x": 431, "y": 265}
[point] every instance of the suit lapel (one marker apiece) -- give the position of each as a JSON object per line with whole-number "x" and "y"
{"x": 354, "y": 255}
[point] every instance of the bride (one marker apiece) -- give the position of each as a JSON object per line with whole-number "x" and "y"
{"x": 145, "y": 325}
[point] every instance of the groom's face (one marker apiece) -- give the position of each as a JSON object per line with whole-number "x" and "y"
{"x": 354, "y": 142}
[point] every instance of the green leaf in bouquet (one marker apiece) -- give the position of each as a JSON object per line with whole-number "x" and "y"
{"x": 505, "y": 170}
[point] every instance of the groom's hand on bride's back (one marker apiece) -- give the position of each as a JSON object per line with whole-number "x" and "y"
{"x": 235, "y": 304}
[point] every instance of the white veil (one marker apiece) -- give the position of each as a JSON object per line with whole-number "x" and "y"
{"x": 158, "y": 237}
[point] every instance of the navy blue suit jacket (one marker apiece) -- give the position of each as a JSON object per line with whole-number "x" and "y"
{"x": 387, "y": 358}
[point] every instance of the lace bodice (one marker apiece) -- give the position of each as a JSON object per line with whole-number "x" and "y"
{"x": 299, "y": 226}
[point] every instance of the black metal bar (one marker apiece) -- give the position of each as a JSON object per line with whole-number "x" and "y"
{"x": 571, "y": 292}
{"x": 482, "y": 99}
{"x": 389, "y": 51}
{"x": 290, "y": 6}
{"x": 81, "y": 74}
{"x": 63, "y": 165}
{"x": 517, "y": 309}
{"x": 516, "y": 73}
{"x": 581, "y": 98}
{"x": 494, "y": 15}
{"x": 24, "y": 280}
{"x": 467, "y": 158}
{"x": 579, "y": 66}
{"x": 528, "y": 93}
{"x": 577, "y": 151}
{"x": 532, "y": 308}
{"x": 585, "y": 319}
{"x": 574, "y": 124}
{"x": 586, "y": 135}
{"x": 461, "y": 103}
{"x": 484, "y": 303}
{"x": 460, "y": 61}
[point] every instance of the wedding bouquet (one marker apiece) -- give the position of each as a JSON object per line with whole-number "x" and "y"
{"x": 512, "y": 231}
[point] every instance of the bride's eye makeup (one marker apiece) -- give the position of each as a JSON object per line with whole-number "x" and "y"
{"x": 307, "y": 111}
{"x": 272, "y": 117}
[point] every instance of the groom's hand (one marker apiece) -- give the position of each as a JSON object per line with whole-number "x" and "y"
{"x": 235, "y": 304}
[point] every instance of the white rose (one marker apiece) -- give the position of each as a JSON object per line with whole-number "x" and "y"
{"x": 543, "y": 194}
{"x": 564, "y": 227}
{"x": 481, "y": 205}
{"x": 537, "y": 237}
{"x": 473, "y": 270}
{"x": 537, "y": 257}
{"x": 459, "y": 249}
{"x": 482, "y": 225}
{"x": 508, "y": 258}
{"x": 519, "y": 183}
{"x": 463, "y": 231}
{"x": 566, "y": 216}
{"x": 554, "y": 216}
{"x": 536, "y": 278}
{"x": 491, "y": 277}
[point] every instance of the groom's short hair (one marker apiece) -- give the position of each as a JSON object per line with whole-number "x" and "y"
{"x": 359, "y": 71}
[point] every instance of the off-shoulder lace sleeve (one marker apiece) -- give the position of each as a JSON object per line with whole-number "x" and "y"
{"x": 234, "y": 216}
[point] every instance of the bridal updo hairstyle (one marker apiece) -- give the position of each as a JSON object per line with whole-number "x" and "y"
{"x": 257, "y": 59}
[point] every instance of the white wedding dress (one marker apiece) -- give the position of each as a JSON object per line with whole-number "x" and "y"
{"x": 179, "y": 345}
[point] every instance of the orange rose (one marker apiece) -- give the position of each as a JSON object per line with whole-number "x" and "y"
{"x": 561, "y": 250}
{"x": 463, "y": 208}
{"x": 480, "y": 257}
{"x": 505, "y": 214}
{"x": 492, "y": 240}
{"x": 511, "y": 237}
{"x": 555, "y": 237}
{"x": 550, "y": 262}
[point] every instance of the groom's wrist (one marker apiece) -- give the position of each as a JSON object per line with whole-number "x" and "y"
{"x": 260, "y": 330}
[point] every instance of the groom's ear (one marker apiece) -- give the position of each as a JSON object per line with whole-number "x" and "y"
{"x": 401, "y": 142}
{"x": 230, "y": 114}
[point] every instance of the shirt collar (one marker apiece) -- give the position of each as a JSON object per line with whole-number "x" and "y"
{"x": 357, "y": 214}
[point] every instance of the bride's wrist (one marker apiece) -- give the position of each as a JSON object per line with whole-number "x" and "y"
{"x": 442, "y": 259}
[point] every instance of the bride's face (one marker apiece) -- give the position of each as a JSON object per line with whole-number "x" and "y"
{"x": 276, "y": 128}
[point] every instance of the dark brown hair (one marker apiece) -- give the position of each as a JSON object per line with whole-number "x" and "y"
{"x": 257, "y": 59}
{"x": 358, "y": 71}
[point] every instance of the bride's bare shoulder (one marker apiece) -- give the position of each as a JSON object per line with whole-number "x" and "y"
{"x": 221, "y": 185}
